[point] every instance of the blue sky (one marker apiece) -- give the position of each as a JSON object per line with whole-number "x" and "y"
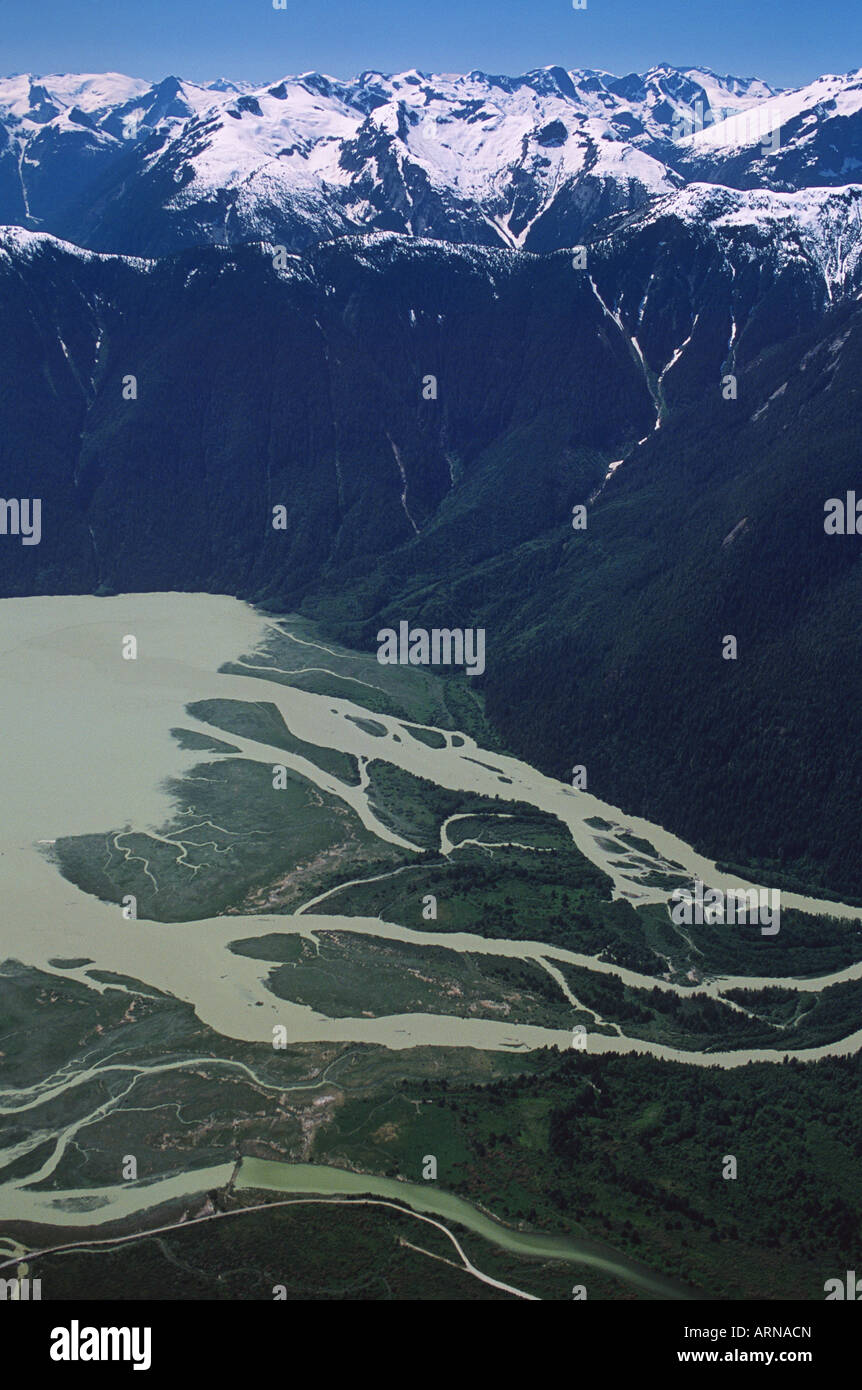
{"x": 788, "y": 42}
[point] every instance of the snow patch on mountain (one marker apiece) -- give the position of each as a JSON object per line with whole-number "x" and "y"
{"x": 19, "y": 243}
{"x": 824, "y": 225}
{"x": 828, "y": 96}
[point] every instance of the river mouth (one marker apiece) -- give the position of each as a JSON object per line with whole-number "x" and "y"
{"x": 105, "y": 758}
{"x": 97, "y": 808}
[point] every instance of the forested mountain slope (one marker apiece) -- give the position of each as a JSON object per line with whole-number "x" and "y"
{"x": 308, "y": 388}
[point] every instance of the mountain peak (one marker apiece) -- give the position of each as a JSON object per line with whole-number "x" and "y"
{"x": 533, "y": 161}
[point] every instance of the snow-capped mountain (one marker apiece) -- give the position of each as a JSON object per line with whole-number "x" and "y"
{"x": 532, "y": 161}
{"x": 808, "y": 137}
{"x": 697, "y": 192}
{"x": 707, "y": 200}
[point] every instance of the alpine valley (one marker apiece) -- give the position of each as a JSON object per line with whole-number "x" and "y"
{"x": 426, "y": 320}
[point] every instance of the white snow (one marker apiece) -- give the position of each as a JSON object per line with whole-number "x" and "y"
{"x": 473, "y": 138}
{"x": 498, "y": 151}
{"x": 19, "y": 243}
{"x": 677, "y": 353}
{"x": 823, "y": 225}
{"x": 833, "y": 96}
